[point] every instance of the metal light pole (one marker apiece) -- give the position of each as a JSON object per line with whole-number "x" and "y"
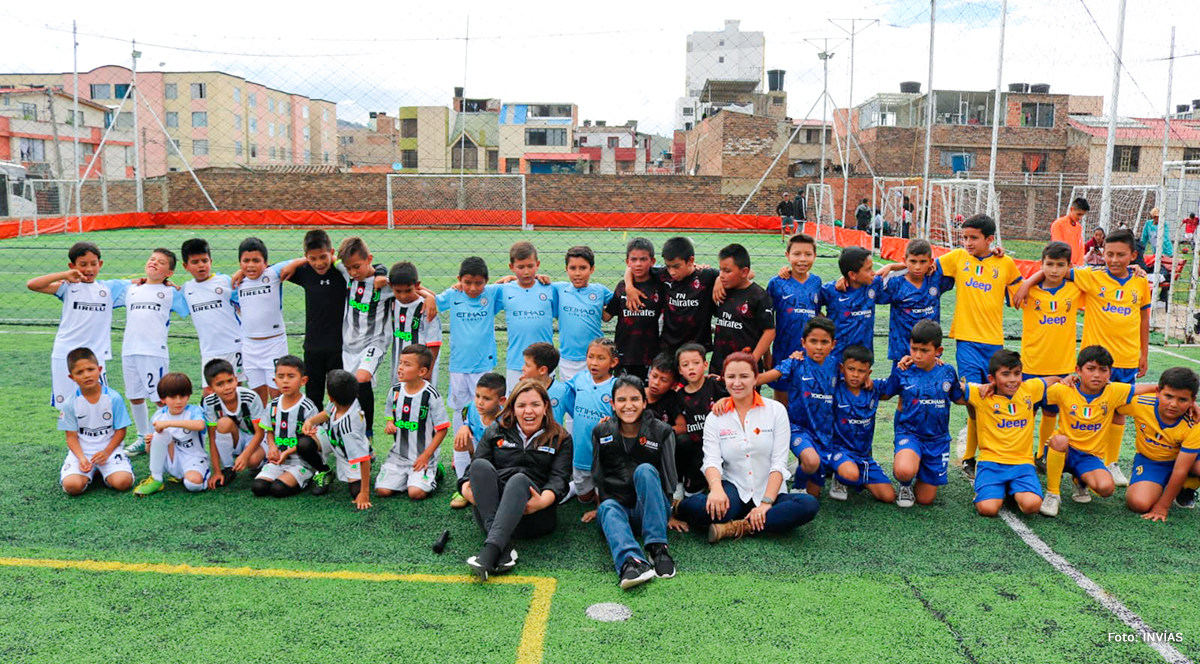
{"x": 137, "y": 143}
{"x": 1111, "y": 143}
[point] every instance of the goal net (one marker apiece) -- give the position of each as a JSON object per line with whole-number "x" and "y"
{"x": 820, "y": 210}
{"x": 1131, "y": 205}
{"x": 1179, "y": 319}
{"x": 952, "y": 202}
{"x": 895, "y": 198}
{"x": 456, "y": 200}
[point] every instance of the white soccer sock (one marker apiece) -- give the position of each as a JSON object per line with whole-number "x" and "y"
{"x": 571, "y": 492}
{"x": 141, "y": 417}
{"x": 158, "y": 454}
{"x": 461, "y": 461}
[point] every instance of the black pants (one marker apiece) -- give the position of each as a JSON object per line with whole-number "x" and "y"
{"x": 317, "y": 364}
{"x": 640, "y": 370}
{"x": 500, "y": 508}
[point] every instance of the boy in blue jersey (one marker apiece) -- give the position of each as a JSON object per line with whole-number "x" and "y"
{"x": 914, "y": 296}
{"x": 855, "y": 400}
{"x": 588, "y": 399}
{"x": 796, "y": 293}
{"x": 926, "y": 390}
{"x": 489, "y": 400}
{"x": 580, "y": 311}
{"x": 853, "y": 309}
{"x": 472, "y": 309}
{"x": 541, "y": 359}
{"x": 530, "y": 308}
{"x": 810, "y": 381}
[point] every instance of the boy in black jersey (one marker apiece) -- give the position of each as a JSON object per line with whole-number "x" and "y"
{"x": 746, "y": 319}
{"x": 699, "y": 393}
{"x": 662, "y": 397}
{"x": 689, "y": 291}
{"x": 637, "y": 334}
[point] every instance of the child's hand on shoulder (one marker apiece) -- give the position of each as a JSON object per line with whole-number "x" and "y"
{"x": 797, "y": 355}
{"x": 785, "y": 272}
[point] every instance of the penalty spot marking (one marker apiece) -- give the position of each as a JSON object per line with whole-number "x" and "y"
{"x": 1110, "y": 602}
{"x": 609, "y": 612}
{"x": 533, "y": 634}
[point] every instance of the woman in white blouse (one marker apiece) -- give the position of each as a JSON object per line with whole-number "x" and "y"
{"x": 745, "y": 461}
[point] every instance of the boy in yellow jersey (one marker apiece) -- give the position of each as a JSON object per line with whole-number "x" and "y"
{"x": 1004, "y": 412}
{"x": 1116, "y": 316}
{"x": 1048, "y": 332}
{"x": 1085, "y": 414}
{"x": 981, "y": 280}
{"x": 1168, "y": 442}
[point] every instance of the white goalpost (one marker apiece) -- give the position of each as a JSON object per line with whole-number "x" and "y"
{"x": 1179, "y": 197}
{"x": 820, "y": 210}
{"x": 456, "y": 200}
{"x": 950, "y": 203}
{"x": 1131, "y": 205}
{"x": 888, "y": 195}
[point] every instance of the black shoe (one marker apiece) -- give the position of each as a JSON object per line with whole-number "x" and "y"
{"x": 635, "y": 572}
{"x": 1040, "y": 460}
{"x": 1186, "y": 499}
{"x": 968, "y": 468}
{"x": 229, "y": 474}
{"x": 506, "y": 563}
{"x": 322, "y": 482}
{"x": 664, "y": 565}
{"x": 478, "y": 569}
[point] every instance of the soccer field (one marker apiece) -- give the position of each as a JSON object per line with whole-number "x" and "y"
{"x": 225, "y": 577}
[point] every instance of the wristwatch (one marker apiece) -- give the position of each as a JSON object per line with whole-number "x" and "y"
{"x": 767, "y": 501}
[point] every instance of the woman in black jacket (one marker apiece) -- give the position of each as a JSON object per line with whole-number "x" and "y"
{"x": 521, "y": 469}
{"x": 633, "y": 466}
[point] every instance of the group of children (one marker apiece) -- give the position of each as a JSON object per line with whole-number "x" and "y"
{"x": 263, "y": 408}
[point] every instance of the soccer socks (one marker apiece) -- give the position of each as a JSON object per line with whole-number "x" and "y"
{"x": 194, "y": 487}
{"x": 462, "y": 460}
{"x": 366, "y": 401}
{"x": 1045, "y": 430}
{"x": 1116, "y": 434}
{"x": 1055, "y": 461}
{"x": 141, "y": 417}
{"x": 158, "y": 454}
{"x": 309, "y": 450}
{"x": 972, "y": 439}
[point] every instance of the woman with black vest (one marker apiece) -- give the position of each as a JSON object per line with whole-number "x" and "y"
{"x": 520, "y": 472}
{"x": 633, "y": 465}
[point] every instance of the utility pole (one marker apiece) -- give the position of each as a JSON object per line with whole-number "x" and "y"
{"x": 137, "y": 143}
{"x": 849, "y": 104}
{"x": 1111, "y": 142}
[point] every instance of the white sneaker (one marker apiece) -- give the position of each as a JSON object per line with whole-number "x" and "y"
{"x": 571, "y": 493}
{"x": 1119, "y": 478}
{"x": 138, "y": 446}
{"x": 1050, "y": 505}
{"x": 837, "y": 490}
{"x": 1081, "y": 493}
{"x": 905, "y": 497}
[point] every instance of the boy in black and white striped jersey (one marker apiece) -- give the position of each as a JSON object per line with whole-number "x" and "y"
{"x": 344, "y": 432}
{"x": 416, "y": 416}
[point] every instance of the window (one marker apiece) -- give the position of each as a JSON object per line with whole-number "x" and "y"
{"x": 306, "y": 134}
{"x": 1037, "y": 115}
{"x": 120, "y": 90}
{"x": 308, "y": 156}
{"x": 125, "y": 121}
{"x": 199, "y": 90}
{"x": 721, "y": 43}
{"x": 252, "y": 99}
{"x": 271, "y": 129}
{"x": 237, "y": 148}
{"x": 237, "y": 95}
{"x": 345, "y": 140}
{"x": 326, "y": 156}
{"x": 174, "y": 143}
{"x": 1125, "y": 158}
{"x": 270, "y": 104}
{"x": 254, "y": 150}
{"x": 172, "y": 119}
{"x": 304, "y": 112}
{"x": 464, "y": 155}
{"x": 777, "y": 101}
{"x": 32, "y": 149}
{"x": 1034, "y": 162}
{"x": 549, "y": 111}
{"x": 200, "y": 148}
{"x": 272, "y": 153}
{"x": 814, "y": 136}
{"x": 129, "y": 155}
{"x": 687, "y": 112}
{"x": 545, "y": 137}
{"x": 28, "y": 111}
{"x": 285, "y": 107}
{"x": 1191, "y": 154}
{"x": 171, "y": 91}
{"x": 721, "y": 58}
{"x": 408, "y": 158}
{"x": 85, "y": 152}
{"x": 254, "y": 125}
{"x": 613, "y": 141}
{"x": 512, "y": 165}
{"x": 199, "y": 119}
{"x": 957, "y": 161}
{"x": 493, "y": 160}
{"x": 325, "y": 117}
{"x": 237, "y": 121}
{"x": 101, "y": 91}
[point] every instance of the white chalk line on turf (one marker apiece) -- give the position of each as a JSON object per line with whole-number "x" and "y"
{"x": 1108, "y": 601}
{"x": 1167, "y": 352}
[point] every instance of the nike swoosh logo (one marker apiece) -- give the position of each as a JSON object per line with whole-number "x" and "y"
{"x": 785, "y": 297}
{"x": 805, "y": 378}
{"x": 843, "y": 299}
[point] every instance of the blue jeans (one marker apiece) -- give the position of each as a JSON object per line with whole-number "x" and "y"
{"x": 651, "y": 512}
{"x": 789, "y": 512}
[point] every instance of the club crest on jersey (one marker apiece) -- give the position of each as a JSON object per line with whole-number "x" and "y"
{"x": 606, "y": 398}
{"x": 542, "y": 297}
{"x": 1086, "y": 412}
{"x": 592, "y": 297}
{"x": 946, "y": 386}
{"x": 933, "y": 292}
{"x": 107, "y": 416}
{"x": 266, "y": 279}
{"x": 696, "y": 283}
{"x": 816, "y": 298}
{"x": 219, "y": 290}
{"x": 483, "y": 301}
{"x": 745, "y": 308}
{"x": 103, "y": 293}
{"x": 161, "y": 295}
{"x": 654, "y": 297}
{"x": 871, "y": 293}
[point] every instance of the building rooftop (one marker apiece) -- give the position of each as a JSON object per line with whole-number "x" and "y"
{"x": 57, "y": 92}
{"x": 1144, "y": 129}
{"x": 727, "y": 90}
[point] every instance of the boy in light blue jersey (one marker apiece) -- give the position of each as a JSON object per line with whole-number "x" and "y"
{"x": 588, "y": 399}
{"x": 855, "y": 400}
{"x": 541, "y": 359}
{"x": 852, "y": 306}
{"x": 914, "y": 296}
{"x": 926, "y": 390}
{"x": 580, "y": 311}
{"x": 530, "y": 308}
{"x": 471, "y": 307}
{"x": 477, "y": 417}
{"x": 796, "y": 293}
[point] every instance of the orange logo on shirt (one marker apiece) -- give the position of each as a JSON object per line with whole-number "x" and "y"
{"x": 757, "y": 431}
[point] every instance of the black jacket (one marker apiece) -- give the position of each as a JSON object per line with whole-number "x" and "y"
{"x": 785, "y": 209}
{"x": 613, "y": 463}
{"x": 548, "y": 467}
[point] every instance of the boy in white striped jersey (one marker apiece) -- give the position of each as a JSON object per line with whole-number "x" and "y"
{"x": 365, "y": 325}
{"x": 212, "y": 302}
{"x": 260, "y": 295}
{"x": 416, "y": 416}
{"x": 345, "y": 432}
{"x": 411, "y": 320}
{"x": 286, "y": 473}
{"x": 232, "y": 415}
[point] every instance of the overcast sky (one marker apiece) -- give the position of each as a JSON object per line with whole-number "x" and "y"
{"x": 617, "y": 60}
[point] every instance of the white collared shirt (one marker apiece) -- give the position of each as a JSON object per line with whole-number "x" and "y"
{"x": 747, "y": 455}
{"x": 527, "y": 440}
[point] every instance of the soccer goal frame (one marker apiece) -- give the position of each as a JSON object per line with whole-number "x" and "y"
{"x": 820, "y": 204}
{"x": 887, "y": 196}
{"x": 1131, "y": 204}
{"x": 1179, "y": 195}
{"x": 951, "y": 198}
{"x": 458, "y": 182}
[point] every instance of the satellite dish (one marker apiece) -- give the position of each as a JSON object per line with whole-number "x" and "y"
{"x": 395, "y": 166}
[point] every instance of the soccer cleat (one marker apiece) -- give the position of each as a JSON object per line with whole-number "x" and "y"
{"x": 664, "y": 565}
{"x": 968, "y": 468}
{"x": 506, "y": 566}
{"x": 1050, "y": 505}
{"x": 172, "y": 479}
{"x": 229, "y": 474}
{"x": 735, "y": 529}
{"x": 905, "y": 497}
{"x": 635, "y": 572}
{"x": 1040, "y": 460}
{"x": 1186, "y": 499}
{"x": 457, "y": 501}
{"x": 138, "y": 446}
{"x": 837, "y": 490}
{"x": 322, "y": 482}
{"x": 147, "y": 487}
{"x": 1081, "y": 493}
{"x": 477, "y": 568}
{"x": 440, "y": 473}
{"x": 1119, "y": 478}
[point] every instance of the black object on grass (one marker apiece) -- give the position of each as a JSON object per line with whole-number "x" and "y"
{"x": 440, "y": 545}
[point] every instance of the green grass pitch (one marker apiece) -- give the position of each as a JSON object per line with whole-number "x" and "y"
{"x": 863, "y": 582}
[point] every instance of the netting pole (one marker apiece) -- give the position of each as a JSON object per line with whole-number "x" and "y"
{"x": 390, "y": 223}
{"x": 524, "y": 221}
{"x": 786, "y": 145}
{"x": 75, "y": 129}
{"x": 992, "y": 203}
{"x": 179, "y": 152}
{"x": 1162, "y": 197}
{"x": 929, "y": 122}
{"x": 137, "y": 129}
{"x": 1111, "y": 143}
{"x": 824, "y": 55}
